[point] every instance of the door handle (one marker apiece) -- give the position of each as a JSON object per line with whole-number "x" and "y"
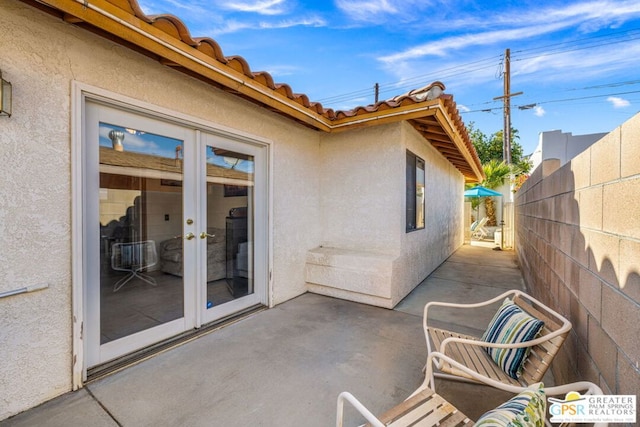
{"x": 204, "y": 235}
{"x": 189, "y": 236}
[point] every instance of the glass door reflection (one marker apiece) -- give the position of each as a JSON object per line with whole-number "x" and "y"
{"x": 141, "y": 214}
{"x": 229, "y": 213}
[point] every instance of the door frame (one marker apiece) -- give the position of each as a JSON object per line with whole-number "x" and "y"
{"x": 82, "y": 92}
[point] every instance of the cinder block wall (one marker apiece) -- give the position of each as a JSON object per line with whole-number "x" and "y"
{"x": 578, "y": 242}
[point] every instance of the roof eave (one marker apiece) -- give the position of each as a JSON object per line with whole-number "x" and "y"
{"x": 167, "y": 39}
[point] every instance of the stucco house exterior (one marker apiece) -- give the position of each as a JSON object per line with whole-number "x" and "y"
{"x": 564, "y": 146}
{"x": 153, "y": 186}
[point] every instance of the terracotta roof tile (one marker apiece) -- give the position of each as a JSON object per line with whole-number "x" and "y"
{"x": 210, "y": 48}
{"x": 174, "y": 27}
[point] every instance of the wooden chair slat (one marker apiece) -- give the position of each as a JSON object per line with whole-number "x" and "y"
{"x": 434, "y": 418}
{"x": 473, "y": 357}
{"x": 456, "y": 419}
{"x": 399, "y": 410}
{"x": 424, "y": 409}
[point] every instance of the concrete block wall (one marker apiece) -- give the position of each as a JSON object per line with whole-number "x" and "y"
{"x": 578, "y": 243}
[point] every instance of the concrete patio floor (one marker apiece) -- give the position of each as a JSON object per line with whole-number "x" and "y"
{"x": 286, "y": 366}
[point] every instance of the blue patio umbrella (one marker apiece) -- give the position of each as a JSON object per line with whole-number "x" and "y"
{"x": 480, "y": 191}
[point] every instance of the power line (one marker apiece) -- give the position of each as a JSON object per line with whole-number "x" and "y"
{"x": 605, "y": 85}
{"x": 591, "y": 46}
{"x": 412, "y": 82}
{"x": 585, "y": 40}
{"x": 486, "y": 110}
{"x": 421, "y": 80}
{"x": 601, "y": 86}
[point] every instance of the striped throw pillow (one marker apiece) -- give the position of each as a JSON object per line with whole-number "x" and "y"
{"x": 526, "y": 409}
{"x": 511, "y": 325}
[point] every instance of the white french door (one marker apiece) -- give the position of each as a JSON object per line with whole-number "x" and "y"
{"x": 174, "y": 225}
{"x": 232, "y": 197}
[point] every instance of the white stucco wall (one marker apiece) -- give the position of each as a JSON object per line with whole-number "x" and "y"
{"x": 423, "y": 251}
{"x": 563, "y": 146}
{"x": 366, "y": 254}
{"x": 362, "y": 187}
{"x": 363, "y": 190}
{"x": 41, "y": 57}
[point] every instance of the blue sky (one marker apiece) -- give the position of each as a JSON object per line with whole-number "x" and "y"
{"x": 576, "y": 62}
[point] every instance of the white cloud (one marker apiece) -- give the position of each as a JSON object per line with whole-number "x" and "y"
{"x": 365, "y": 10}
{"x": 542, "y": 66}
{"x": 263, "y": 7}
{"x": 463, "y": 108}
{"x": 382, "y": 11}
{"x": 522, "y": 25}
{"x": 281, "y": 70}
{"x": 600, "y": 61}
{"x": 233, "y": 26}
{"x": 538, "y": 111}
{"x": 313, "y": 21}
{"x": 618, "y": 102}
{"x": 442, "y": 47}
{"x": 589, "y": 15}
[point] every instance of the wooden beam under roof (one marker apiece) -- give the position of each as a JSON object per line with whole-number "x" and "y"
{"x": 438, "y": 138}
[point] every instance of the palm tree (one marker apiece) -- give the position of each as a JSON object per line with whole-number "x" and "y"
{"x": 496, "y": 173}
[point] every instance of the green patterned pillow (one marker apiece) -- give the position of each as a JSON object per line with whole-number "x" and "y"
{"x": 527, "y": 409}
{"x": 511, "y": 325}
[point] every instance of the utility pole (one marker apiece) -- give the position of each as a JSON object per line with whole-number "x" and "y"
{"x": 376, "y": 90}
{"x": 506, "y": 97}
{"x": 506, "y": 144}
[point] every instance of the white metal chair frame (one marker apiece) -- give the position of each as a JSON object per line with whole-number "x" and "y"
{"x": 431, "y": 409}
{"x": 469, "y": 350}
{"x": 134, "y": 257}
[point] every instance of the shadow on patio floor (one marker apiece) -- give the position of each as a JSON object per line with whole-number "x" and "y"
{"x": 286, "y": 366}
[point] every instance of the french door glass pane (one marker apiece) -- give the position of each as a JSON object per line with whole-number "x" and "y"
{"x": 229, "y": 209}
{"x": 141, "y": 176}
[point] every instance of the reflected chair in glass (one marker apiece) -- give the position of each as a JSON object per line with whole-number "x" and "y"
{"x": 134, "y": 257}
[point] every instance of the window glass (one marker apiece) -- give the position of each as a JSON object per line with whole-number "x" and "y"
{"x": 415, "y": 192}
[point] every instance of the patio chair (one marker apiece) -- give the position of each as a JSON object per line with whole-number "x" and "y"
{"x": 425, "y": 408}
{"x": 477, "y": 229}
{"x": 516, "y": 348}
